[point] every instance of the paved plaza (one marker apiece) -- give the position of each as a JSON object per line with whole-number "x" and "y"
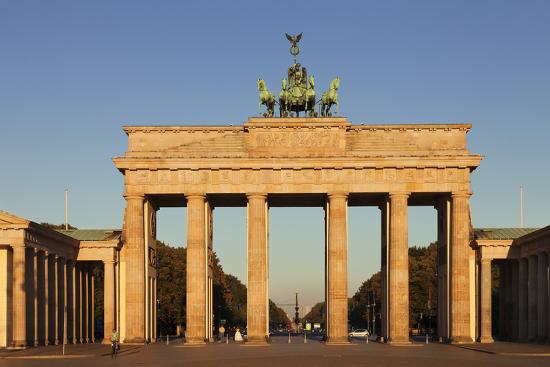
{"x": 280, "y": 353}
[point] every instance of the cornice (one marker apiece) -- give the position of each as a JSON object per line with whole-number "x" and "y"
{"x": 137, "y": 163}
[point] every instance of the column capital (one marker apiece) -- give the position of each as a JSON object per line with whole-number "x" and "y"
{"x": 461, "y": 194}
{"x": 256, "y": 195}
{"x": 195, "y": 195}
{"x": 399, "y": 194}
{"x": 134, "y": 196}
{"x": 109, "y": 261}
{"x": 338, "y": 194}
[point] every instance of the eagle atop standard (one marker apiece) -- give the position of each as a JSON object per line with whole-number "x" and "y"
{"x": 298, "y": 91}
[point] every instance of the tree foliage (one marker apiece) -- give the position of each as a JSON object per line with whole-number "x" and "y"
{"x": 229, "y": 294}
{"x": 422, "y": 292}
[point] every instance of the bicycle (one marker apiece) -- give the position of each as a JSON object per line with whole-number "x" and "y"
{"x": 114, "y": 349}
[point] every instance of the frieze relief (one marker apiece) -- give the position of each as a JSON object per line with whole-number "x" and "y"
{"x": 306, "y": 175}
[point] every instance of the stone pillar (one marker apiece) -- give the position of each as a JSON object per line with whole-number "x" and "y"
{"x": 532, "y": 314}
{"x": 257, "y": 296}
{"x": 515, "y": 296}
{"x": 337, "y": 310}
{"x": 34, "y": 253}
{"x": 55, "y": 296}
{"x": 84, "y": 302}
{"x": 443, "y": 255}
{"x": 502, "y": 301}
{"x": 78, "y": 302}
{"x": 485, "y": 301}
{"x": 398, "y": 270}
{"x": 61, "y": 286}
{"x": 52, "y": 303}
{"x": 46, "y": 301}
{"x": 19, "y": 296}
{"x": 384, "y": 212}
{"x": 196, "y": 270}
{"x": 91, "y": 311}
{"x": 70, "y": 301}
{"x": 460, "y": 273}
{"x": 135, "y": 269}
{"x": 542, "y": 298}
{"x": 522, "y": 300}
{"x": 108, "y": 300}
{"x": 508, "y": 301}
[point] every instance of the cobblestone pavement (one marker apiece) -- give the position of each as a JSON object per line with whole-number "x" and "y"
{"x": 280, "y": 353}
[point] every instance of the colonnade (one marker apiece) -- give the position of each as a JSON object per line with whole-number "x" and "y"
{"x": 454, "y": 237}
{"x": 52, "y": 295}
{"x": 523, "y": 298}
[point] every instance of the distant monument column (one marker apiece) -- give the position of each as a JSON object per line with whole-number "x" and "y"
{"x": 398, "y": 269}
{"x": 108, "y": 300}
{"x": 135, "y": 269}
{"x": 337, "y": 306}
{"x": 485, "y": 301}
{"x": 460, "y": 268}
{"x": 257, "y": 308}
{"x": 196, "y": 270}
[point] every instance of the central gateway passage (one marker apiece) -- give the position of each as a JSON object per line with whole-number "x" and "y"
{"x": 328, "y": 162}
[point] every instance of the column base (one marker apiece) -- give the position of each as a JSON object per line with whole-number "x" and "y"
{"x": 256, "y": 340}
{"x": 461, "y": 340}
{"x": 19, "y": 344}
{"x": 194, "y": 341}
{"x": 486, "y": 339}
{"x": 133, "y": 341}
{"x": 399, "y": 340}
{"x": 337, "y": 340}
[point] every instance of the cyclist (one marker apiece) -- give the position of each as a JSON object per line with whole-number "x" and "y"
{"x": 114, "y": 343}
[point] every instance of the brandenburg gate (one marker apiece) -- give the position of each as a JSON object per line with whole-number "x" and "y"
{"x": 300, "y": 161}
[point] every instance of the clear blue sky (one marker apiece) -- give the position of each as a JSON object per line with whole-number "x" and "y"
{"x": 73, "y": 72}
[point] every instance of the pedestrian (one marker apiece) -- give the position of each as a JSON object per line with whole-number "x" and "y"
{"x": 221, "y": 333}
{"x": 238, "y": 336}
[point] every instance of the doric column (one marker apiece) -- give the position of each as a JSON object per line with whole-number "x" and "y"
{"x": 61, "y": 286}
{"x": 337, "y": 287}
{"x": 460, "y": 273}
{"x": 84, "y": 303}
{"x": 74, "y": 301}
{"x": 135, "y": 269}
{"x": 443, "y": 239}
{"x": 515, "y": 297}
{"x": 508, "y": 301}
{"x": 46, "y": 301}
{"x": 78, "y": 302}
{"x": 55, "y": 295}
{"x": 257, "y": 293}
{"x": 398, "y": 270}
{"x": 35, "y": 295}
{"x": 532, "y": 314}
{"x": 196, "y": 270}
{"x": 502, "y": 301}
{"x": 70, "y": 301}
{"x": 52, "y": 300}
{"x": 91, "y": 311}
{"x": 542, "y": 298}
{"x": 485, "y": 304}
{"x": 19, "y": 296}
{"x": 522, "y": 300}
{"x": 108, "y": 300}
{"x": 384, "y": 213}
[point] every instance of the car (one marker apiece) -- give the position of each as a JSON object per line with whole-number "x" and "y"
{"x": 359, "y": 333}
